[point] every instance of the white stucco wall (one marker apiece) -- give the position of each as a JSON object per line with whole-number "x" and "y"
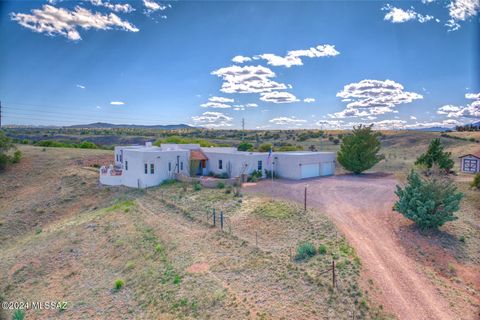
{"x": 239, "y": 162}
{"x": 135, "y": 175}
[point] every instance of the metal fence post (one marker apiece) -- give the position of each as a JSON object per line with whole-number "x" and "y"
{"x": 214, "y": 218}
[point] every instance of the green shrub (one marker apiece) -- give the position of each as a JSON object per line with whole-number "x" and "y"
{"x": 197, "y": 186}
{"x": 119, "y": 283}
{"x": 17, "y": 156}
{"x": 436, "y": 156}
{"x": 359, "y": 151}
{"x": 322, "y": 249}
{"x": 476, "y": 181}
{"x": 429, "y": 203}
{"x": 220, "y": 185}
{"x": 18, "y": 315}
{"x": 265, "y": 147}
{"x": 268, "y": 174}
{"x": 177, "y": 279}
{"x": 245, "y": 146}
{"x": 305, "y": 251}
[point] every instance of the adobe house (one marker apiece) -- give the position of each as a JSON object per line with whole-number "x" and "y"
{"x": 147, "y": 165}
{"x": 470, "y": 163}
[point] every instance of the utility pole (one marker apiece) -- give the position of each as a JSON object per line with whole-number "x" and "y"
{"x": 0, "y": 114}
{"x": 243, "y": 129}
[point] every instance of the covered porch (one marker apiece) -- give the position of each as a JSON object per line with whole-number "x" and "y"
{"x": 198, "y": 163}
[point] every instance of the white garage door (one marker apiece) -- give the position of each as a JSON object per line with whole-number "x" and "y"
{"x": 327, "y": 168}
{"x": 310, "y": 170}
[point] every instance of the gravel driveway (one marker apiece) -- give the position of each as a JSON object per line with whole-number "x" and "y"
{"x": 361, "y": 207}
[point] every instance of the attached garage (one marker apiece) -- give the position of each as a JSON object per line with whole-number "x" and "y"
{"x": 327, "y": 168}
{"x": 303, "y": 165}
{"x": 310, "y": 170}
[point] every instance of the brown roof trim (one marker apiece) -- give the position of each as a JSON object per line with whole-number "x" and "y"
{"x": 197, "y": 155}
{"x": 476, "y": 155}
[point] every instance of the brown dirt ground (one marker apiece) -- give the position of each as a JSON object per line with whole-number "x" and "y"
{"x": 361, "y": 207}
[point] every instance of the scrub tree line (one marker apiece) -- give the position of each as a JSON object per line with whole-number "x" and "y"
{"x": 6, "y": 148}
{"x": 429, "y": 197}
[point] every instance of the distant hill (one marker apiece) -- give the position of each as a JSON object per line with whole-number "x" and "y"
{"x": 433, "y": 129}
{"x": 103, "y": 125}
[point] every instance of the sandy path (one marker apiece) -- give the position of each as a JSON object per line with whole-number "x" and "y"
{"x": 362, "y": 209}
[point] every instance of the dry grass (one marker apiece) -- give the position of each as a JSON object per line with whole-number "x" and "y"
{"x": 158, "y": 242}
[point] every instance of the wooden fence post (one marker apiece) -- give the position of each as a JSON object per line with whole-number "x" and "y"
{"x": 334, "y": 282}
{"x": 305, "y": 200}
{"x": 221, "y": 220}
{"x": 214, "y": 218}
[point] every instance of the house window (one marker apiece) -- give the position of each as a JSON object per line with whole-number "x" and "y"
{"x": 169, "y": 166}
{"x": 259, "y": 165}
{"x": 220, "y": 164}
{"x": 126, "y": 165}
{"x": 146, "y": 168}
{"x": 181, "y": 165}
{"x": 152, "y": 168}
{"x": 116, "y": 157}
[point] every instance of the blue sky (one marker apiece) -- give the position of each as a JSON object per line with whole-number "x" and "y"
{"x": 296, "y": 64}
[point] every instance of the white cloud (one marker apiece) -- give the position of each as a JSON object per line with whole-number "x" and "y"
{"x": 98, "y": 107}
{"x": 330, "y": 123}
{"x": 309, "y": 100}
{"x": 287, "y": 121}
{"x": 278, "y": 97}
{"x": 474, "y": 96}
{"x": 247, "y": 79}
{"x": 80, "y": 86}
{"x": 471, "y": 110}
{"x": 58, "y": 21}
{"x": 153, "y": 6}
{"x": 212, "y": 119}
{"x": 126, "y": 8}
{"x": 413, "y": 118}
{"x": 398, "y": 15}
{"x": 220, "y": 99}
{"x": 293, "y": 58}
{"x": 389, "y": 123}
{"x": 445, "y": 123}
{"x": 218, "y": 102}
{"x": 117, "y": 103}
{"x": 373, "y": 97}
{"x": 461, "y": 10}
{"x": 241, "y": 59}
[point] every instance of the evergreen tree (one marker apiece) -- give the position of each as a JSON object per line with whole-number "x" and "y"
{"x": 359, "y": 151}
{"x": 429, "y": 203}
{"x": 436, "y": 156}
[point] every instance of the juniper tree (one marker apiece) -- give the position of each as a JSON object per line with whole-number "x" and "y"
{"x": 430, "y": 202}
{"x": 359, "y": 150}
{"x": 435, "y": 156}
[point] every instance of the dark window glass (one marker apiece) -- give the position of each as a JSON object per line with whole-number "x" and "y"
{"x": 220, "y": 164}
{"x": 169, "y": 166}
{"x": 260, "y": 165}
{"x": 126, "y": 165}
{"x": 146, "y": 168}
{"x": 152, "y": 168}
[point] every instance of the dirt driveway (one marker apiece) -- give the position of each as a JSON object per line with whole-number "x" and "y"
{"x": 362, "y": 209}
